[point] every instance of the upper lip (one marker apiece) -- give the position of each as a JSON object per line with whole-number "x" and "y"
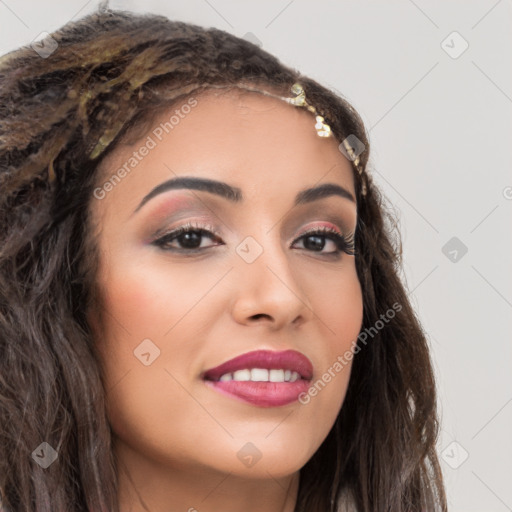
{"x": 286, "y": 360}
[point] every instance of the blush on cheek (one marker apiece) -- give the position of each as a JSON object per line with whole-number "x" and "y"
{"x": 134, "y": 301}
{"x": 342, "y": 308}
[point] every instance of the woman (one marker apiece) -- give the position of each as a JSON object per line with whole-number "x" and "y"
{"x": 200, "y": 300}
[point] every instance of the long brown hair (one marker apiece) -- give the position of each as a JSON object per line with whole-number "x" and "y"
{"x": 60, "y": 115}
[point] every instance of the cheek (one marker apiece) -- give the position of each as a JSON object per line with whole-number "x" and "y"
{"x": 147, "y": 299}
{"x": 145, "y": 321}
{"x": 338, "y": 306}
{"x": 153, "y": 308}
{"x": 337, "y": 301}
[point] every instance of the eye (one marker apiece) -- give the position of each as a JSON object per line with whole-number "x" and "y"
{"x": 314, "y": 240}
{"x": 188, "y": 238}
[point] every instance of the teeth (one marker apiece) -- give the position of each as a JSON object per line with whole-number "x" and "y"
{"x": 276, "y": 376}
{"x": 242, "y": 375}
{"x": 261, "y": 375}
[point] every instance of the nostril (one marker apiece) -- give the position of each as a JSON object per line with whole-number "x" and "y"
{"x": 259, "y": 315}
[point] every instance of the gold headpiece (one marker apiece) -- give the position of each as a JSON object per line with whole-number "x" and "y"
{"x": 323, "y": 129}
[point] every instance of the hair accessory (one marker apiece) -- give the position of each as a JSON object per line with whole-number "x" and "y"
{"x": 357, "y": 164}
{"x": 322, "y": 128}
{"x": 299, "y": 99}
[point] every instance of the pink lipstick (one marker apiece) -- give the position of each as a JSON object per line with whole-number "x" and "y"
{"x": 263, "y": 378}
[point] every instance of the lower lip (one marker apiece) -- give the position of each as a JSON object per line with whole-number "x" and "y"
{"x": 262, "y": 394}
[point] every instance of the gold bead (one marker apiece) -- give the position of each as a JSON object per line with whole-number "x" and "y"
{"x": 297, "y": 88}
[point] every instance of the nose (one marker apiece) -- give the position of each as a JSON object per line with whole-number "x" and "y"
{"x": 269, "y": 290}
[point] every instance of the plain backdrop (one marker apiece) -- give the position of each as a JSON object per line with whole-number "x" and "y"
{"x": 433, "y": 83}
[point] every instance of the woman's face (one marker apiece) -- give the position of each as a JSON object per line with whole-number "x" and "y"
{"x": 175, "y": 307}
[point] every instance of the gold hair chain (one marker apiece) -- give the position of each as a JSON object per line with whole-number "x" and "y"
{"x": 299, "y": 99}
{"x": 324, "y": 130}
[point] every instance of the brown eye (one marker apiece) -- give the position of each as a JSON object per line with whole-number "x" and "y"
{"x": 315, "y": 241}
{"x": 188, "y": 238}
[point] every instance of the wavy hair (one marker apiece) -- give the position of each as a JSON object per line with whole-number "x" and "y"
{"x": 111, "y": 72}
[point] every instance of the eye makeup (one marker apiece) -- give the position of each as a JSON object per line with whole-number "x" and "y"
{"x": 163, "y": 241}
{"x": 334, "y": 217}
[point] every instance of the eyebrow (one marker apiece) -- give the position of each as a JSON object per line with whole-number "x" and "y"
{"x": 234, "y": 194}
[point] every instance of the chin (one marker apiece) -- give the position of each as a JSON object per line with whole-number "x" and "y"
{"x": 263, "y": 457}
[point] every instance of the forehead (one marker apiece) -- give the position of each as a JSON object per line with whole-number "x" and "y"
{"x": 239, "y": 112}
{"x": 247, "y": 139}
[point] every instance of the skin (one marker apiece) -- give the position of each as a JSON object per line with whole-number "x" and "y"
{"x": 175, "y": 439}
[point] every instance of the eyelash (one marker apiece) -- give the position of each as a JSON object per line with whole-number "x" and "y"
{"x": 344, "y": 244}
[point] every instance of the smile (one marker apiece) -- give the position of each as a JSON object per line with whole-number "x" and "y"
{"x": 262, "y": 378}
{"x": 261, "y": 375}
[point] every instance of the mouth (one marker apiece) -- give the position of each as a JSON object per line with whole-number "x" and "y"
{"x": 263, "y": 378}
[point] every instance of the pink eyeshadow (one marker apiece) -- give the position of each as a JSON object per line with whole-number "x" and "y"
{"x": 169, "y": 206}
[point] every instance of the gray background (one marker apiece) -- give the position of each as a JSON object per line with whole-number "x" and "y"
{"x": 440, "y": 128}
